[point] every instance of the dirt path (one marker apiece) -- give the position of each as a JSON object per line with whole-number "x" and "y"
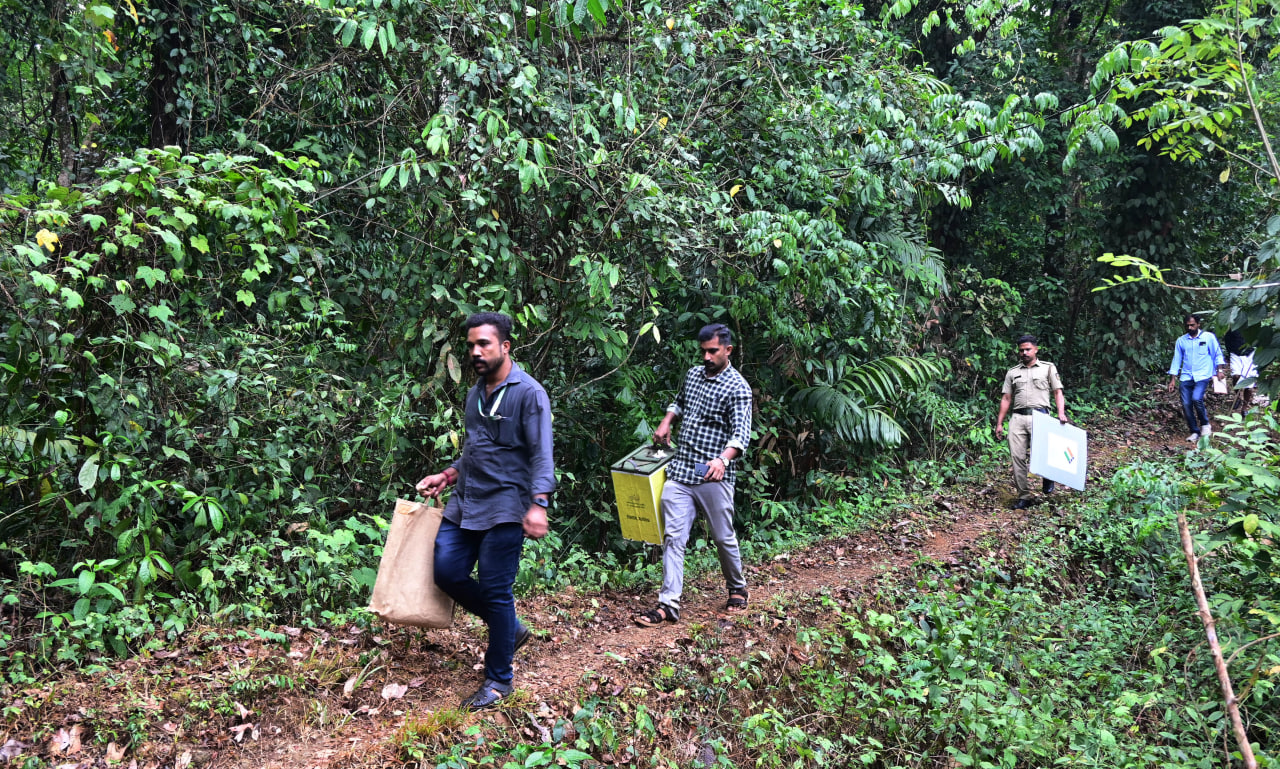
{"x": 340, "y": 699}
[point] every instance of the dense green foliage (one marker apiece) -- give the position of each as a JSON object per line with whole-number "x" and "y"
{"x": 1072, "y": 652}
{"x": 225, "y": 358}
{"x": 237, "y": 240}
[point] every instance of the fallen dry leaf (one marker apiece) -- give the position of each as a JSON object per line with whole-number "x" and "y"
{"x": 349, "y": 686}
{"x": 242, "y": 711}
{"x": 183, "y": 761}
{"x": 66, "y": 741}
{"x": 114, "y": 752}
{"x": 242, "y": 729}
{"x": 394, "y": 691}
{"x": 11, "y": 750}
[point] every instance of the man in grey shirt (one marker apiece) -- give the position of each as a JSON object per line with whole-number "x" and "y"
{"x": 503, "y": 482}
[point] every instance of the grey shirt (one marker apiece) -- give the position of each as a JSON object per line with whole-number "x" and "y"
{"x": 507, "y": 455}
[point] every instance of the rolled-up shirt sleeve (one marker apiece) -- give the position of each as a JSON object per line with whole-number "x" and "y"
{"x": 740, "y": 417}
{"x": 1174, "y": 368}
{"x": 537, "y": 429}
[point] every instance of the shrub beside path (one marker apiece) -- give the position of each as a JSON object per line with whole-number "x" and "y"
{"x": 347, "y": 698}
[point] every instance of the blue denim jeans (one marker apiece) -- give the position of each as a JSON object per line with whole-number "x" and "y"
{"x": 1193, "y": 403}
{"x": 495, "y": 554}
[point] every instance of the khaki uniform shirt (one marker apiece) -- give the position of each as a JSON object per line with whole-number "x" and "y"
{"x": 1032, "y": 386}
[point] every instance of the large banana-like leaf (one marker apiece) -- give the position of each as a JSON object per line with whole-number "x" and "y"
{"x": 851, "y": 405}
{"x": 885, "y": 378}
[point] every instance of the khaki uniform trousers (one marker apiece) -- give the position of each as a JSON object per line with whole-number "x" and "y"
{"x": 1020, "y": 449}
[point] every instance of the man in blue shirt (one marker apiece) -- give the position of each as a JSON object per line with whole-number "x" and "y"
{"x": 1196, "y": 359}
{"x": 503, "y": 482}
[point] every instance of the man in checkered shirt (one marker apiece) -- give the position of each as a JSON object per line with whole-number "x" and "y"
{"x": 714, "y": 409}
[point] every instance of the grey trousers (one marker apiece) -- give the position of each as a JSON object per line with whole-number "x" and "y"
{"x": 680, "y": 506}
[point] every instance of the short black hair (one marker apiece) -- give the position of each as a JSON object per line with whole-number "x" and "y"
{"x": 496, "y": 319}
{"x": 1027, "y": 338}
{"x": 717, "y": 330}
{"x": 1191, "y": 316}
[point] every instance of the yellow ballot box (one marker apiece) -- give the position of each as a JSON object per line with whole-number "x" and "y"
{"x": 637, "y": 483}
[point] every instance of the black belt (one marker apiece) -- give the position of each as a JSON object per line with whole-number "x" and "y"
{"x": 1027, "y": 412}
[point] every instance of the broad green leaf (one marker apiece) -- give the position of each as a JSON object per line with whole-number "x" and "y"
{"x": 162, "y": 311}
{"x": 597, "y": 10}
{"x": 150, "y": 275}
{"x": 111, "y": 589}
{"x": 245, "y": 297}
{"x": 44, "y": 281}
{"x": 88, "y": 476}
{"x": 173, "y": 242}
{"x": 369, "y": 35}
{"x": 216, "y": 516}
{"x": 122, "y": 304}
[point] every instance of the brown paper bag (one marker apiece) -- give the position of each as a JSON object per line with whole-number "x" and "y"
{"x": 1219, "y": 386}
{"x": 405, "y": 592}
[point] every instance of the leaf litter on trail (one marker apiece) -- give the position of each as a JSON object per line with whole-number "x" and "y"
{"x": 431, "y": 664}
{"x": 240, "y": 731}
{"x": 66, "y": 742}
{"x": 11, "y": 750}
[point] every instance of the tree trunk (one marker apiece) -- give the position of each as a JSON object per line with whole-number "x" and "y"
{"x": 167, "y": 52}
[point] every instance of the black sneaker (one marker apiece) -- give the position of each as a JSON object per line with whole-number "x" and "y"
{"x": 1046, "y": 486}
{"x": 523, "y": 636}
{"x": 1022, "y": 504}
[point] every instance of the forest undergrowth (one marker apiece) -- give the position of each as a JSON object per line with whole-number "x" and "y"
{"x": 928, "y": 628}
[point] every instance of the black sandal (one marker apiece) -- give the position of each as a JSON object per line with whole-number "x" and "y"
{"x": 486, "y": 696}
{"x": 737, "y": 599}
{"x": 657, "y": 615}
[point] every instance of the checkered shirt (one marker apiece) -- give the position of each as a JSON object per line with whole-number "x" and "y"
{"x": 715, "y": 414}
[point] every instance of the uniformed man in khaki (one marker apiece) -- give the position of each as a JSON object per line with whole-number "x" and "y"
{"x": 1027, "y": 388}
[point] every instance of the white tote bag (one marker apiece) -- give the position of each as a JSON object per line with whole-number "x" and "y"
{"x": 405, "y": 591}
